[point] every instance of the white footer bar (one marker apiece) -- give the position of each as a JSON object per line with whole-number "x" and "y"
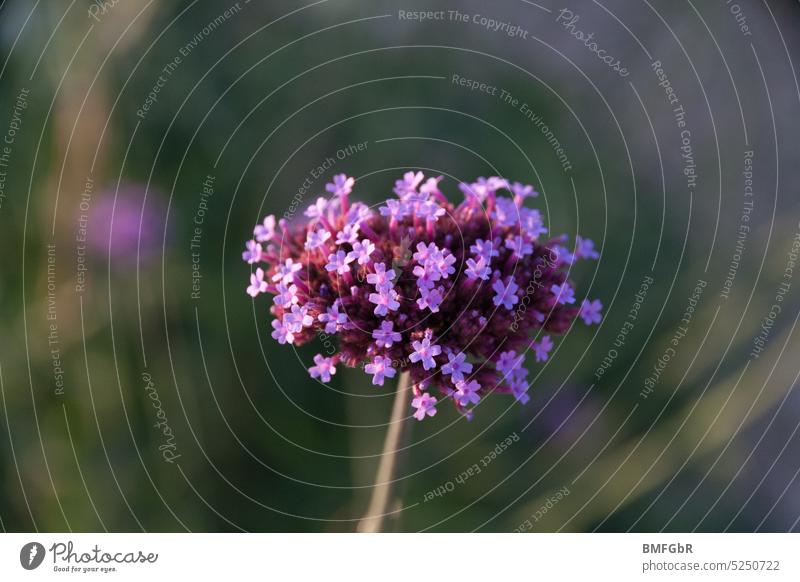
{"x": 401, "y": 557}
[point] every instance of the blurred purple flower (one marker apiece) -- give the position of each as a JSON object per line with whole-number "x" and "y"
{"x": 131, "y": 229}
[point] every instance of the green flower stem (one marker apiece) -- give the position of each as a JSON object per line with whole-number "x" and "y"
{"x": 383, "y": 490}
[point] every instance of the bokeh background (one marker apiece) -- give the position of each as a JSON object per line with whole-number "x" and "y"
{"x": 103, "y": 189}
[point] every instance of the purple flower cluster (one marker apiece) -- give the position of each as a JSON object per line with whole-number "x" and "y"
{"x": 450, "y": 293}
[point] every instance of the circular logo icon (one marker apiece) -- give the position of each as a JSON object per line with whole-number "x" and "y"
{"x": 31, "y": 555}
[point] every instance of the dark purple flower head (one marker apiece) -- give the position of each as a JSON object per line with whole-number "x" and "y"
{"x": 453, "y": 294}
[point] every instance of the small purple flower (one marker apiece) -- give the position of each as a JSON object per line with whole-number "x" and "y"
{"x": 339, "y": 262}
{"x": 519, "y": 385}
{"x": 431, "y": 186}
{"x": 253, "y": 252}
{"x": 456, "y": 367}
{"x": 430, "y": 210}
{"x": 584, "y": 248}
{"x": 563, "y": 254}
{"x": 358, "y": 212}
{"x": 257, "y": 283}
{"x": 482, "y": 188}
{"x": 495, "y": 183}
{"x": 381, "y": 278}
{"x": 379, "y": 368}
{"x": 522, "y": 191}
{"x": 532, "y": 224}
{"x": 426, "y": 278}
{"x": 505, "y": 294}
{"x": 361, "y": 251}
{"x": 431, "y": 298}
{"x": 484, "y": 249}
{"x": 409, "y": 183}
{"x": 434, "y": 264}
{"x": 385, "y": 336}
{"x": 519, "y": 245}
{"x": 332, "y": 318}
{"x": 425, "y": 404}
{"x": 564, "y": 294}
{"x": 478, "y": 269}
{"x": 286, "y": 272}
{"x": 341, "y": 185}
{"x": 508, "y": 362}
{"x": 298, "y": 318}
{"x": 542, "y": 348}
{"x": 385, "y": 300}
{"x": 506, "y": 212}
{"x": 590, "y": 311}
{"x": 324, "y": 369}
{"x": 286, "y": 296}
{"x": 281, "y": 332}
{"x": 519, "y": 388}
{"x": 317, "y": 238}
{"x": 317, "y": 210}
{"x": 348, "y": 234}
{"x": 466, "y": 392}
{"x": 444, "y": 265}
{"x": 426, "y": 252}
{"x": 425, "y": 352}
{"x": 395, "y": 209}
{"x": 265, "y": 231}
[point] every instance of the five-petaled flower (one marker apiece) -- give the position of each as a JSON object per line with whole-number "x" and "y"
{"x": 257, "y": 283}
{"x": 425, "y": 405}
{"x": 466, "y": 392}
{"x": 542, "y": 348}
{"x": 286, "y": 272}
{"x": 348, "y": 234}
{"x": 385, "y": 300}
{"x": 339, "y": 262}
{"x": 456, "y": 367}
{"x": 505, "y": 293}
{"x": 332, "y": 318}
{"x": 385, "y": 336}
{"x": 408, "y": 185}
{"x": 298, "y": 318}
{"x": 265, "y": 231}
{"x": 380, "y": 368}
{"x": 590, "y": 311}
{"x": 522, "y": 191}
{"x": 287, "y": 296}
{"x": 316, "y": 239}
{"x": 361, "y": 251}
{"x": 324, "y": 369}
{"x": 584, "y": 249}
{"x": 425, "y": 352}
{"x": 520, "y": 245}
{"x": 395, "y": 209}
{"x": 478, "y": 269}
{"x": 317, "y": 209}
{"x": 484, "y": 249}
{"x": 341, "y": 185}
{"x": 381, "y": 278}
{"x": 253, "y": 252}
{"x": 564, "y": 293}
{"x": 281, "y": 332}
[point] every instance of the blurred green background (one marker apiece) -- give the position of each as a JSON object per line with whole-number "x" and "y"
{"x": 104, "y": 189}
